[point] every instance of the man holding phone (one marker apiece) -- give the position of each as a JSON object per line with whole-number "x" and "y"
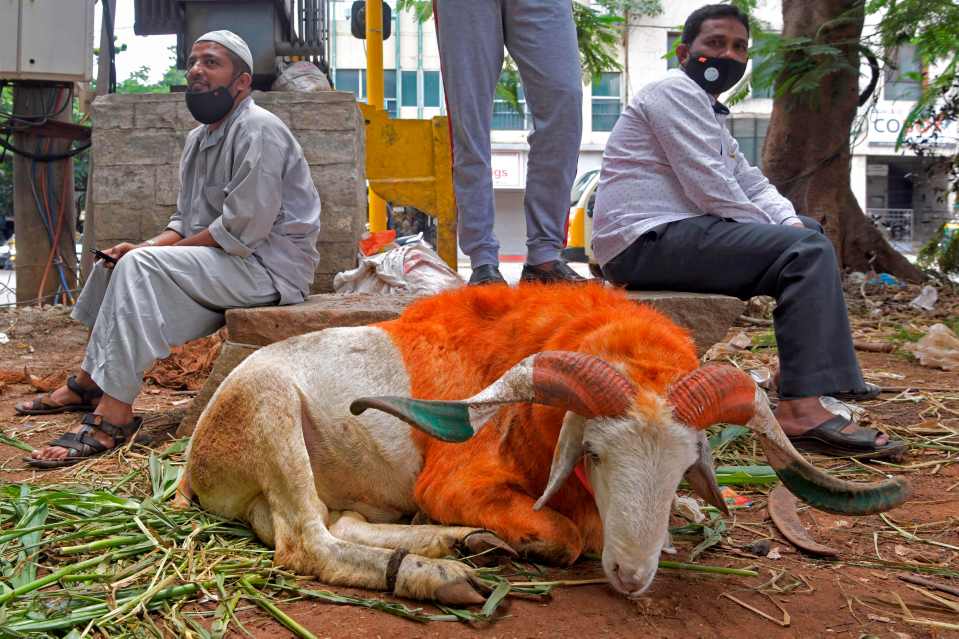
{"x": 244, "y": 234}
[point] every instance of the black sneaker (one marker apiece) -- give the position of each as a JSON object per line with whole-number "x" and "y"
{"x": 486, "y": 274}
{"x": 554, "y": 272}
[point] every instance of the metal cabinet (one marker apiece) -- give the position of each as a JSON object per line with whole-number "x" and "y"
{"x": 46, "y": 40}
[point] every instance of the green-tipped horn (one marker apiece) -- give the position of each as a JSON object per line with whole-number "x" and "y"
{"x": 825, "y": 492}
{"x": 449, "y": 421}
{"x": 818, "y": 488}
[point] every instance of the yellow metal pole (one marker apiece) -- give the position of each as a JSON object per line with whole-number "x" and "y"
{"x": 374, "y": 92}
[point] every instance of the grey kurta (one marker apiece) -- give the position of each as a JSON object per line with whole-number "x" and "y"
{"x": 250, "y": 185}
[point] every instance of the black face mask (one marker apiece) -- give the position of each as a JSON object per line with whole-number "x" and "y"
{"x": 210, "y": 106}
{"x": 715, "y": 75}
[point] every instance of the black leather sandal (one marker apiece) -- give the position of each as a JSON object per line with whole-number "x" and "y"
{"x": 44, "y": 405}
{"x": 83, "y": 445}
{"x": 830, "y": 438}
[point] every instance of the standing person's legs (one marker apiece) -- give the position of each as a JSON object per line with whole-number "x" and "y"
{"x": 470, "y": 38}
{"x": 154, "y": 299}
{"x": 541, "y": 37}
{"x": 797, "y": 267}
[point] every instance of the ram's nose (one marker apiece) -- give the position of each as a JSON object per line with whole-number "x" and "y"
{"x": 631, "y": 580}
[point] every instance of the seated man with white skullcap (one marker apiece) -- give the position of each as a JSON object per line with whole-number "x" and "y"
{"x": 244, "y": 234}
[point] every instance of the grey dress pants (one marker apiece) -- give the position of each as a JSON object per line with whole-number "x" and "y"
{"x": 797, "y": 266}
{"x": 541, "y": 37}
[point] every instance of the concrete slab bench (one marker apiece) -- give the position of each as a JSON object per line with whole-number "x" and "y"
{"x": 707, "y": 317}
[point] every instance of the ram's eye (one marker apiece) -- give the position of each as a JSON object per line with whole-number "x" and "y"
{"x": 590, "y": 454}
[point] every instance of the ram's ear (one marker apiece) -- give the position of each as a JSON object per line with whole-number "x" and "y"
{"x": 568, "y": 452}
{"x": 702, "y": 476}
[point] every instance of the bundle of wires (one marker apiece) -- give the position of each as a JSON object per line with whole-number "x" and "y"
{"x": 53, "y": 213}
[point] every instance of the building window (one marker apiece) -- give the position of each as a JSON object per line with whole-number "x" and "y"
{"x": 505, "y": 115}
{"x": 352, "y": 80}
{"x": 607, "y": 101}
{"x": 672, "y": 41}
{"x": 750, "y": 133}
{"x": 389, "y": 91}
{"x": 901, "y": 83}
{"x": 431, "y": 88}
{"x": 409, "y": 88}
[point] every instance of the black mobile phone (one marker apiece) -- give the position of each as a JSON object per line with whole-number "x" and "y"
{"x": 103, "y": 256}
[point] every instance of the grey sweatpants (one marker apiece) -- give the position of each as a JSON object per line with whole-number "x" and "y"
{"x": 541, "y": 37}
{"x": 156, "y": 298}
{"x": 798, "y": 267}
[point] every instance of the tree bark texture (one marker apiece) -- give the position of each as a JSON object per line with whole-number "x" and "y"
{"x": 806, "y": 154}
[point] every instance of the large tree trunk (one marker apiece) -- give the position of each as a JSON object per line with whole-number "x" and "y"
{"x": 807, "y": 154}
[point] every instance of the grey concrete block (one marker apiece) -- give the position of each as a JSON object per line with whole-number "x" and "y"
{"x": 116, "y": 222}
{"x": 130, "y": 185}
{"x": 329, "y": 147}
{"x": 154, "y": 115}
{"x": 153, "y": 220}
{"x": 167, "y": 184}
{"x": 135, "y": 146}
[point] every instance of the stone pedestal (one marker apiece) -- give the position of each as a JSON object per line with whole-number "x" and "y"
{"x": 138, "y": 139}
{"x": 707, "y": 317}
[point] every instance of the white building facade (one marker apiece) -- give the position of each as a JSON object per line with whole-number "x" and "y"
{"x": 891, "y": 184}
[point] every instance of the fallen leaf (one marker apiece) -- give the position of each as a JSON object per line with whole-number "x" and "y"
{"x": 741, "y": 341}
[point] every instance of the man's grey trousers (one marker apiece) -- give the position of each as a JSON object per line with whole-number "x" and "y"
{"x": 798, "y": 267}
{"x": 156, "y": 298}
{"x": 541, "y": 37}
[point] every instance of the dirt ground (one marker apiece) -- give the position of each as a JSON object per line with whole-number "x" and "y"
{"x": 822, "y": 598}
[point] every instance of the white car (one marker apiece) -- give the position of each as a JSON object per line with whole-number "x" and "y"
{"x": 582, "y": 199}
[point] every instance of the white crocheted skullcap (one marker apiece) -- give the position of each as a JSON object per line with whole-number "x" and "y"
{"x": 231, "y": 41}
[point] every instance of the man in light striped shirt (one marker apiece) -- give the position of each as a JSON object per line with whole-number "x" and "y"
{"x": 679, "y": 208}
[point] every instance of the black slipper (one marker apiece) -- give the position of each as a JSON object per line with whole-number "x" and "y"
{"x": 829, "y": 439}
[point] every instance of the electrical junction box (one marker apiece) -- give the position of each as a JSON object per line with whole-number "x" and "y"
{"x": 46, "y": 40}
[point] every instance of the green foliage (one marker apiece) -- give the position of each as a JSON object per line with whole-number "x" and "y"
{"x": 941, "y": 251}
{"x": 795, "y": 65}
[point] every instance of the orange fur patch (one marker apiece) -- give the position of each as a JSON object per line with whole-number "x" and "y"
{"x": 456, "y": 343}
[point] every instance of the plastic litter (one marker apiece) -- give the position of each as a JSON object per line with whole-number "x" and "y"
{"x": 836, "y": 407}
{"x": 689, "y": 508}
{"x": 4, "y": 339}
{"x": 939, "y": 348}
{"x": 741, "y": 341}
{"x": 732, "y": 498}
{"x": 856, "y": 278}
{"x": 407, "y": 265}
{"x": 885, "y": 279}
{"x": 302, "y": 76}
{"x": 927, "y": 298}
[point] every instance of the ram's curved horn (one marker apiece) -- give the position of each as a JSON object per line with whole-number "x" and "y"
{"x": 583, "y": 384}
{"x": 723, "y": 394}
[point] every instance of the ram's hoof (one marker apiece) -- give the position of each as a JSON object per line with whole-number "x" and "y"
{"x": 488, "y": 547}
{"x": 459, "y": 593}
